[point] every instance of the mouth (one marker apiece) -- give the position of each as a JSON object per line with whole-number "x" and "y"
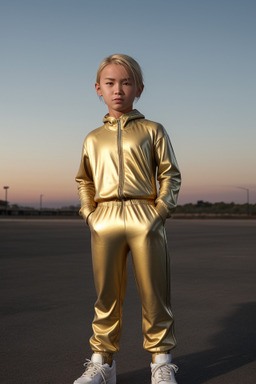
{"x": 118, "y": 99}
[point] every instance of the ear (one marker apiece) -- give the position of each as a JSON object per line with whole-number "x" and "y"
{"x": 139, "y": 91}
{"x": 98, "y": 89}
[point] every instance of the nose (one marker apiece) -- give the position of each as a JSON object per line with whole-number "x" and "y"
{"x": 118, "y": 89}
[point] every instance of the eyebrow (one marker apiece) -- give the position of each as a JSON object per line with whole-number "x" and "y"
{"x": 110, "y": 78}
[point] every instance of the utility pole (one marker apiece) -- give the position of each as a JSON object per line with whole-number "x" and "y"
{"x": 6, "y": 201}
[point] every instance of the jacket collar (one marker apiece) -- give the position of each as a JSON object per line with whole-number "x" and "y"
{"x": 133, "y": 115}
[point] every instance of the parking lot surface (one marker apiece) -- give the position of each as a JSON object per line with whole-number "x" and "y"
{"x": 47, "y": 296}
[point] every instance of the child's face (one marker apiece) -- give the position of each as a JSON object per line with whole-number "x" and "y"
{"x": 118, "y": 89}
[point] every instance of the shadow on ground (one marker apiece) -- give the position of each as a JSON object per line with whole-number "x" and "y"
{"x": 234, "y": 347}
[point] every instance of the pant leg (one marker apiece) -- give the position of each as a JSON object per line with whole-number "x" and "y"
{"x": 109, "y": 256}
{"x": 147, "y": 240}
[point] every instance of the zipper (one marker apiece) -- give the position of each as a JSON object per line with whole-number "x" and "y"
{"x": 120, "y": 157}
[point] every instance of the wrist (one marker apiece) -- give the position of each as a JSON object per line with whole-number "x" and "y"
{"x": 162, "y": 211}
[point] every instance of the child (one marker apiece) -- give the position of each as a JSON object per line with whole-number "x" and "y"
{"x": 119, "y": 202}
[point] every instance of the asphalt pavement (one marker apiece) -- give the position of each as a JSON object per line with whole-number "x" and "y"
{"x": 47, "y": 296}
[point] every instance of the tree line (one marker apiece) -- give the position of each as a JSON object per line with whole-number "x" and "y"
{"x": 201, "y": 207}
{"x": 217, "y": 208}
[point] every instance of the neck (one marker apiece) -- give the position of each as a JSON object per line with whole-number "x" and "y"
{"x": 118, "y": 114}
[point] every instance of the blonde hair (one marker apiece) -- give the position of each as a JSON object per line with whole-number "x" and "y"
{"x": 126, "y": 61}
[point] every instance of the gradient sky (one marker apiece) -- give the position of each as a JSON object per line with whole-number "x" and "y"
{"x": 198, "y": 59}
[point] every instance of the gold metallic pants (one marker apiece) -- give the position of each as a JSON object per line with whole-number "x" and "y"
{"x": 118, "y": 227}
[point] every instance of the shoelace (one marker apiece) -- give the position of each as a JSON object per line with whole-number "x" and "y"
{"x": 165, "y": 370}
{"x": 93, "y": 369}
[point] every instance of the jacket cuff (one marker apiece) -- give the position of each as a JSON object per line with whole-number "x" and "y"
{"x": 162, "y": 211}
{"x": 85, "y": 213}
{"x": 87, "y": 218}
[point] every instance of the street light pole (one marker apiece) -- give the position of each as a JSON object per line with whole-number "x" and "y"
{"x": 41, "y": 201}
{"x": 6, "y": 202}
{"x": 248, "y": 200}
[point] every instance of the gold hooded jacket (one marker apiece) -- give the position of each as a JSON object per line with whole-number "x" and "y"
{"x": 120, "y": 161}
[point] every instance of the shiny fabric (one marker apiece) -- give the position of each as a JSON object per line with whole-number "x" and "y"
{"x": 120, "y": 201}
{"x": 118, "y": 227}
{"x": 121, "y": 159}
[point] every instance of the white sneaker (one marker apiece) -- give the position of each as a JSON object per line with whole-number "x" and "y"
{"x": 98, "y": 373}
{"x": 163, "y": 372}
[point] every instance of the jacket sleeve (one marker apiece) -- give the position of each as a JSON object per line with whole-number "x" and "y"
{"x": 168, "y": 176}
{"x": 86, "y": 189}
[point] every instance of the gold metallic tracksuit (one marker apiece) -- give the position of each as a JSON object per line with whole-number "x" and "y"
{"x": 119, "y": 201}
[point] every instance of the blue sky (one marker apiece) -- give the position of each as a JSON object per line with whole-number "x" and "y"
{"x": 198, "y": 60}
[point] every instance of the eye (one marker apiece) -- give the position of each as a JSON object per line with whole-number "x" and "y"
{"x": 109, "y": 83}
